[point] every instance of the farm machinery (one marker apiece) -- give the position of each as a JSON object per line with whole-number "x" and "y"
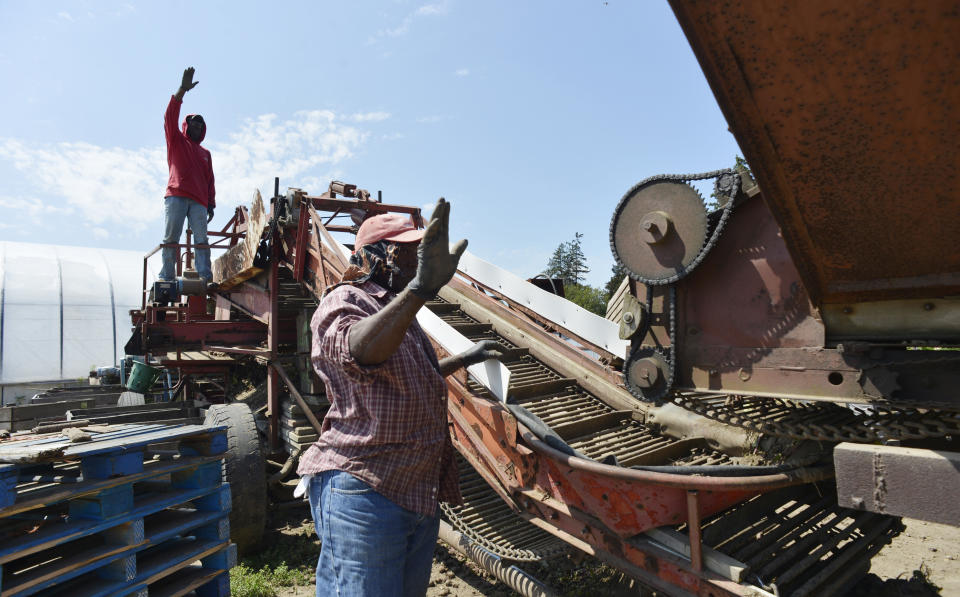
{"x": 776, "y": 383}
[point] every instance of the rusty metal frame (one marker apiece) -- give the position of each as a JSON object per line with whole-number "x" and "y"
{"x": 589, "y": 504}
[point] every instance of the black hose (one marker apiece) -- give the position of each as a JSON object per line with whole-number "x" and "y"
{"x": 549, "y": 437}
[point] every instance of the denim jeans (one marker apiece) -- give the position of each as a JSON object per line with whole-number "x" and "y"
{"x": 175, "y": 210}
{"x": 371, "y": 547}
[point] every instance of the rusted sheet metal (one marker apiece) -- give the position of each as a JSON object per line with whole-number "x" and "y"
{"x": 598, "y": 508}
{"x": 627, "y": 501}
{"x": 847, "y": 114}
{"x": 184, "y": 335}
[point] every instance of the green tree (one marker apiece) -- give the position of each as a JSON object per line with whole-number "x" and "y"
{"x": 588, "y": 297}
{"x": 557, "y": 264}
{"x": 568, "y": 261}
{"x": 576, "y": 261}
{"x": 617, "y": 274}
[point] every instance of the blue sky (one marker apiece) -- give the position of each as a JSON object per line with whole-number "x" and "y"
{"x": 531, "y": 118}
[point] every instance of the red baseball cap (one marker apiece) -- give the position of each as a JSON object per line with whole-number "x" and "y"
{"x": 396, "y": 227}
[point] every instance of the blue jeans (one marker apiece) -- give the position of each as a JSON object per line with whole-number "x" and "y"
{"x": 175, "y": 210}
{"x": 371, "y": 547}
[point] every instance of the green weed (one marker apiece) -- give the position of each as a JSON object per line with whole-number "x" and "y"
{"x": 288, "y": 562}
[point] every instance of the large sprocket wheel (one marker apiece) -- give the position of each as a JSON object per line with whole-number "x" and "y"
{"x": 648, "y": 374}
{"x": 243, "y": 466}
{"x": 658, "y": 229}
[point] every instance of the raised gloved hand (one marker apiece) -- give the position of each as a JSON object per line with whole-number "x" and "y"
{"x": 188, "y": 83}
{"x": 480, "y": 352}
{"x": 209, "y": 215}
{"x": 436, "y": 264}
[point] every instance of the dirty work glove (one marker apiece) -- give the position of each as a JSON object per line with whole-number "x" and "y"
{"x": 435, "y": 263}
{"x": 209, "y": 215}
{"x": 188, "y": 83}
{"x": 480, "y": 352}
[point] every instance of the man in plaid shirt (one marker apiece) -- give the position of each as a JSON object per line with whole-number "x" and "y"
{"x": 384, "y": 457}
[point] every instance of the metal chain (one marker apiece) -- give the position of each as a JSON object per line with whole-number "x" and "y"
{"x": 670, "y": 358}
{"x": 800, "y": 420}
{"x": 796, "y": 420}
{"x": 714, "y": 236}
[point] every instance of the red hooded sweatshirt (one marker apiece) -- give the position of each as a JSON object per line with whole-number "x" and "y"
{"x": 191, "y": 170}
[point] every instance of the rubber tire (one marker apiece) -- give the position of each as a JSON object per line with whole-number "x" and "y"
{"x": 244, "y": 469}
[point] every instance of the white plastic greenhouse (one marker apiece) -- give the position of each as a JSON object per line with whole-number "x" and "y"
{"x": 64, "y": 310}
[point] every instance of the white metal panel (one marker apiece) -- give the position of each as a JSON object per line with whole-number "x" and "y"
{"x": 589, "y": 326}
{"x": 491, "y": 373}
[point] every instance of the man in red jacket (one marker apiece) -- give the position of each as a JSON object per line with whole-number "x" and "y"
{"x": 190, "y": 191}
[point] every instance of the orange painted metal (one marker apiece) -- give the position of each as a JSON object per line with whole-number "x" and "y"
{"x": 847, "y": 115}
{"x": 599, "y": 508}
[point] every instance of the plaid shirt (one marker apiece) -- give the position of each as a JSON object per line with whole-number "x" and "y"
{"x": 387, "y": 423}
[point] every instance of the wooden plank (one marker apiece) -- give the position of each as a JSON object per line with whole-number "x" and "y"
{"x": 32, "y": 498}
{"x": 172, "y": 556}
{"x": 615, "y": 304}
{"x": 37, "y": 411}
{"x": 81, "y": 413}
{"x": 70, "y": 564}
{"x": 57, "y": 534}
{"x": 714, "y": 561}
{"x": 126, "y": 439}
{"x": 187, "y": 580}
{"x": 300, "y": 432}
{"x": 236, "y": 265}
{"x": 304, "y": 440}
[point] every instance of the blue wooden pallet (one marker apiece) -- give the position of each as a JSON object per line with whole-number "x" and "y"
{"x": 102, "y": 511}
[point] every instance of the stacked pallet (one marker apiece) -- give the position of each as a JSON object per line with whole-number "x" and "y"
{"x": 134, "y": 510}
{"x": 295, "y": 429}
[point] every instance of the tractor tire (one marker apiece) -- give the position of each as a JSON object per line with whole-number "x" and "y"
{"x": 243, "y": 467}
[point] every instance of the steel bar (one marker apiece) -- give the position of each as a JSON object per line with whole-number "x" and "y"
{"x": 693, "y": 528}
{"x": 307, "y": 412}
{"x": 273, "y": 343}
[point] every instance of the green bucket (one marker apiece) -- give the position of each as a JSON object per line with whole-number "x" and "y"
{"x": 142, "y": 377}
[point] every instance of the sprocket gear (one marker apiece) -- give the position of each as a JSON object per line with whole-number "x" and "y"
{"x": 659, "y": 230}
{"x": 648, "y": 374}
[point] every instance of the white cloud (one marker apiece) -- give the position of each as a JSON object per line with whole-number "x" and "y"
{"x": 439, "y": 8}
{"x": 102, "y": 184}
{"x": 100, "y": 233}
{"x": 426, "y": 10}
{"x": 109, "y": 188}
{"x": 369, "y": 116}
{"x": 33, "y": 208}
{"x": 66, "y": 16}
{"x": 462, "y": 72}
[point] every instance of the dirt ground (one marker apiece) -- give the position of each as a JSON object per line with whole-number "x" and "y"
{"x": 924, "y": 556}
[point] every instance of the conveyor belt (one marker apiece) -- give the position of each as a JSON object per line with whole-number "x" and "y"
{"x": 796, "y": 541}
{"x": 488, "y": 521}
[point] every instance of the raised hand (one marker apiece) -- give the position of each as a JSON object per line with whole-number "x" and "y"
{"x": 436, "y": 264}
{"x": 187, "y": 83}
